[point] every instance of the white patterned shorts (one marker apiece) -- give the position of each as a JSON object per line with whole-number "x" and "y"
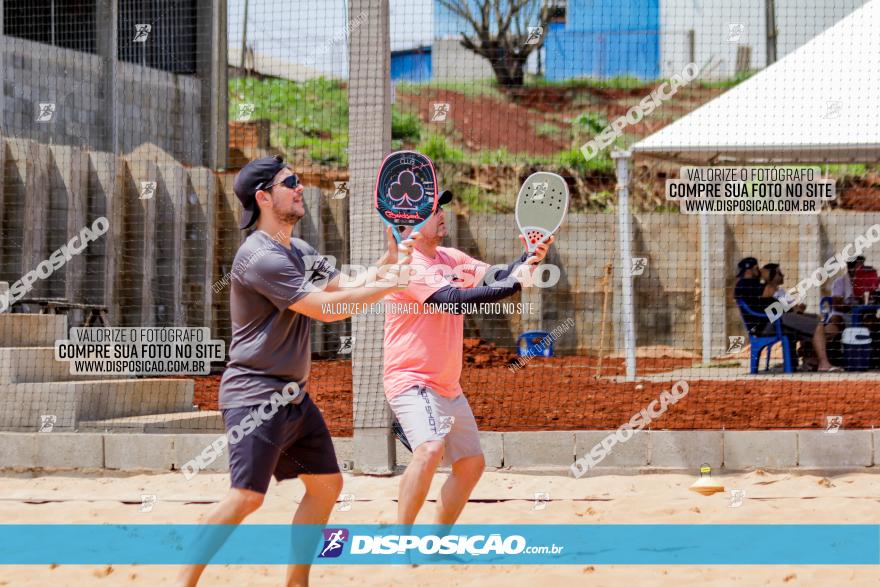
{"x": 426, "y": 415}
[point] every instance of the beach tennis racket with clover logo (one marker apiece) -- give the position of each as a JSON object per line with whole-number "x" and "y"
{"x": 406, "y": 191}
{"x": 541, "y": 207}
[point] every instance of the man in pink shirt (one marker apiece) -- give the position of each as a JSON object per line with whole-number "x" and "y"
{"x": 424, "y": 330}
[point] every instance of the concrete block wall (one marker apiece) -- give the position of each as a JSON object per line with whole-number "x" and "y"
{"x": 490, "y": 238}
{"x": 75, "y": 403}
{"x": 158, "y": 260}
{"x": 161, "y": 108}
{"x": 656, "y": 450}
{"x": 161, "y": 257}
{"x": 106, "y": 104}
{"x": 770, "y": 449}
{"x": 33, "y": 384}
{"x": 579, "y": 294}
{"x": 733, "y": 450}
{"x": 122, "y": 452}
{"x": 35, "y": 364}
{"x": 32, "y": 330}
{"x": 36, "y": 72}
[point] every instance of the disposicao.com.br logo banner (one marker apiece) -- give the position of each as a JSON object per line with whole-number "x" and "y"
{"x": 428, "y": 544}
{"x": 523, "y": 544}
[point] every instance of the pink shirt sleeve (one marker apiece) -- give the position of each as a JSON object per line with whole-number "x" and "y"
{"x": 425, "y": 279}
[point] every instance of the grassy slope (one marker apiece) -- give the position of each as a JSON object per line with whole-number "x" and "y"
{"x": 311, "y": 120}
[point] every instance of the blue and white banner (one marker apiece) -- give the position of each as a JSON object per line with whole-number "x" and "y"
{"x": 653, "y": 544}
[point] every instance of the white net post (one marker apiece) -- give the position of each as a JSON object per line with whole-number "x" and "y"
{"x": 626, "y": 312}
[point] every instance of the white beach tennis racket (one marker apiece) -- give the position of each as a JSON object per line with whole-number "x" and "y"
{"x": 541, "y": 207}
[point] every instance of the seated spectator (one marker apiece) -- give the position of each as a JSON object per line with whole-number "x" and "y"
{"x": 773, "y": 279}
{"x": 850, "y": 290}
{"x": 864, "y": 283}
{"x": 856, "y": 287}
{"x": 798, "y": 327}
{"x": 843, "y": 296}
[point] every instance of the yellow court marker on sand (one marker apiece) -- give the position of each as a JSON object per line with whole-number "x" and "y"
{"x": 705, "y": 485}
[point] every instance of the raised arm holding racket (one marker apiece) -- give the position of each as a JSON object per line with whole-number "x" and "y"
{"x": 406, "y": 191}
{"x": 541, "y": 206}
{"x": 423, "y": 360}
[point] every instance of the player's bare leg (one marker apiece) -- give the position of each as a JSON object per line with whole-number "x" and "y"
{"x": 321, "y": 494}
{"x": 235, "y": 507}
{"x": 457, "y": 489}
{"x": 416, "y": 480}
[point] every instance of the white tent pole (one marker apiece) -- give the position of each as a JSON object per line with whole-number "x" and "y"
{"x": 705, "y": 288}
{"x": 624, "y": 241}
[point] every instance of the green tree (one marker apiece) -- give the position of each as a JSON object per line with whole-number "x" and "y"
{"x": 500, "y": 32}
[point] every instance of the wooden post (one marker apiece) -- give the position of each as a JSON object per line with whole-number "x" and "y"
{"x": 743, "y": 59}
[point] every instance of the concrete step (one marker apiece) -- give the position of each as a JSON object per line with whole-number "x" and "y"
{"x": 174, "y": 423}
{"x": 32, "y": 330}
{"x": 118, "y": 451}
{"x": 71, "y": 402}
{"x": 37, "y": 364}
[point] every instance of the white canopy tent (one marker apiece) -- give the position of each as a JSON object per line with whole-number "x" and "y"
{"x": 821, "y": 103}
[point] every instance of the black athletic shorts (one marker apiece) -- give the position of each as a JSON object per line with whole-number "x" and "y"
{"x": 294, "y": 441}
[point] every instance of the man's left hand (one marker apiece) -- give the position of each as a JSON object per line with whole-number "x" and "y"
{"x": 540, "y": 252}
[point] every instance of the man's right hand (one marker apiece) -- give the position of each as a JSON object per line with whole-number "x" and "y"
{"x": 393, "y": 272}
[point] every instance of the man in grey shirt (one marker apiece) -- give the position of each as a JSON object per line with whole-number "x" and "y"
{"x": 270, "y": 343}
{"x": 273, "y": 299}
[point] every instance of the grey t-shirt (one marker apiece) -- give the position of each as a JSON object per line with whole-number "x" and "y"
{"x": 270, "y": 343}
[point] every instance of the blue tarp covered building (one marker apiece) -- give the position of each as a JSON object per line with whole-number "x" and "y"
{"x": 605, "y": 39}
{"x": 411, "y": 65}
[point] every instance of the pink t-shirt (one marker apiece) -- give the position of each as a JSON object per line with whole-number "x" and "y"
{"x": 423, "y": 345}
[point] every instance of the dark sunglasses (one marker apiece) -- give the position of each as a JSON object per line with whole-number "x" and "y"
{"x": 291, "y": 181}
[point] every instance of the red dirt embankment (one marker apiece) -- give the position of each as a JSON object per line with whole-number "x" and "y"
{"x": 561, "y": 393}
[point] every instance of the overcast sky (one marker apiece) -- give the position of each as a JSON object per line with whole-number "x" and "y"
{"x": 291, "y": 33}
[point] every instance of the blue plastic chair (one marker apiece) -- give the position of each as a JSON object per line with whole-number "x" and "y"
{"x": 533, "y": 344}
{"x": 759, "y": 343}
